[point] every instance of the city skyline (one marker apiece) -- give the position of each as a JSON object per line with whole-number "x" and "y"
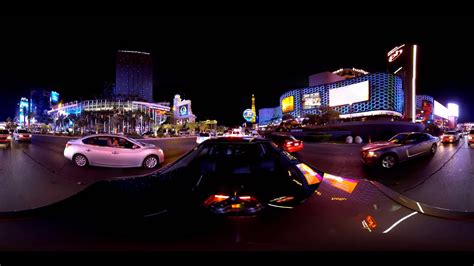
{"x": 207, "y": 68}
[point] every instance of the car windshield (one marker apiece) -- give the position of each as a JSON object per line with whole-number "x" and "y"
{"x": 203, "y": 134}
{"x": 399, "y": 138}
{"x": 450, "y": 133}
{"x": 22, "y": 131}
{"x": 231, "y": 158}
{"x": 3, "y": 131}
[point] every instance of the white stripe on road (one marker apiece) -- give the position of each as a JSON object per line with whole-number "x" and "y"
{"x": 399, "y": 221}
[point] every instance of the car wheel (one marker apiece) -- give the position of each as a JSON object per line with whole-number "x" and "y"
{"x": 433, "y": 149}
{"x": 150, "y": 162}
{"x": 80, "y": 160}
{"x": 388, "y": 161}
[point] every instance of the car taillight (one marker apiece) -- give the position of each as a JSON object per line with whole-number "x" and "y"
{"x": 215, "y": 198}
{"x": 289, "y": 143}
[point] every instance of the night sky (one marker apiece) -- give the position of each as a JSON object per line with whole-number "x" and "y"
{"x": 218, "y": 62}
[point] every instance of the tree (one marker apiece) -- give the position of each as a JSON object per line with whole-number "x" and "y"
{"x": 312, "y": 119}
{"x": 328, "y": 114}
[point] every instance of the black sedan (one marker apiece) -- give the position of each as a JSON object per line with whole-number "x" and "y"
{"x": 240, "y": 176}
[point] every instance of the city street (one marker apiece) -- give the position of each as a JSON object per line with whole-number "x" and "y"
{"x": 36, "y": 174}
{"x": 449, "y": 173}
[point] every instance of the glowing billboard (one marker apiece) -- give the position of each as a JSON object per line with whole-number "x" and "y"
{"x": 54, "y": 97}
{"x": 311, "y": 100}
{"x": 350, "y": 94}
{"x": 440, "y": 110}
{"x": 183, "y": 110}
{"x": 453, "y": 109}
{"x": 288, "y": 104}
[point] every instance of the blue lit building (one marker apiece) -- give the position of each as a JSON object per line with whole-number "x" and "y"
{"x": 370, "y": 95}
{"x": 22, "y": 112}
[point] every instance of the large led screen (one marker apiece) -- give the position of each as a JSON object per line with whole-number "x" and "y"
{"x": 311, "y": 100}
{"x": 288, "y": 104}
{"x": 440, "y": 110}
{"x": 354, "y": 93}
{"x": 453, "y": 109}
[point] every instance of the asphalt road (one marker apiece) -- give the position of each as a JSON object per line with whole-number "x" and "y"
{"x": 37, "y": 174}
{"x": 445, "y": 180}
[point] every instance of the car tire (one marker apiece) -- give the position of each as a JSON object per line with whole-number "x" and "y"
{"x": 388, "y": 161}
{"x": 80, "y": 160}
{"x": 433, "y": 149}
{"x": 151, "y": 161}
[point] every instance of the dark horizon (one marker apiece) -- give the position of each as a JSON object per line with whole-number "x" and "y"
{"x": 218, "y": 63}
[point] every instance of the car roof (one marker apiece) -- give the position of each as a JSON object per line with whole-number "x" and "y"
{"x": 106, "y": 135}
{"x": 237, "y": 140}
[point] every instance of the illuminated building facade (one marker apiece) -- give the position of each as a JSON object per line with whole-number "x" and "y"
{"x": 269, "y": 116}
{"x": 402, "y": 61}
{"x": 22, "y": 112}
{"x": 182, "y": 111}
{"x": 134, "y": 76}
{"x": 254, "y": 118}
{"x": 113, "y": 116}
{"x": 378, "y": 94}
{"x": 40, "y": 104}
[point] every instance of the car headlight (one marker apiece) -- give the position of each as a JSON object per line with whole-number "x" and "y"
{"x": 469, "y": 137}
{"x": 9, "y": 138}
{"x": 371, "y": 154}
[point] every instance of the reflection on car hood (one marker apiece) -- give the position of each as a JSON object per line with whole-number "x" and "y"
{"x": 379, "y": 145}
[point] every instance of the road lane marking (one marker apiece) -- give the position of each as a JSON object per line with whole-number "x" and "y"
{"x": 399, "y": 221}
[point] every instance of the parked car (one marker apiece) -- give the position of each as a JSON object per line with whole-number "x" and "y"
{"x": 113, "y": 151}
{"x": 22, "y": 135}
{"x": 287, "y": 142}
{"x": 470, "y": 137}
{"x": 402, "y": 147}
{"x": 201, "y": 137}
{"x": 5, "y": 137}
{"x": 450, "y": 137}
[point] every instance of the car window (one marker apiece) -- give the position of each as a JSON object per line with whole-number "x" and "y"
{"x": 4, "y": 131}
{"x": 411, "y": 138}
{"x": 422, "y": 137}
{"x": 99, "y": 141}
{"x": 125, "y": 144}
{"x": 22, "y": 131}
{"x": 471, "y": 132}
{"x": 398, "y": 138}
{"x": 89, "y": 141}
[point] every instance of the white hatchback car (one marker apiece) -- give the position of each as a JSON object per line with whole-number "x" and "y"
{"x": 113, "y": 151}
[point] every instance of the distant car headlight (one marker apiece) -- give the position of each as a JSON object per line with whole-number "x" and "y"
{"x": 469, "y": 137}
{"x": 10, "y": 138}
